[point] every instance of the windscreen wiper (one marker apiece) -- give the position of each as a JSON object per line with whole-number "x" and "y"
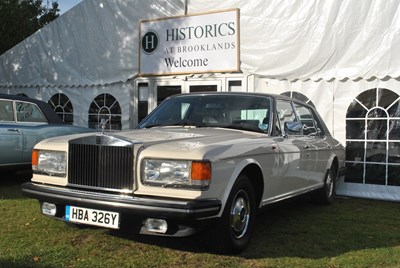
{"x": 183, "y": 124}
{"x": 194, "y": 124}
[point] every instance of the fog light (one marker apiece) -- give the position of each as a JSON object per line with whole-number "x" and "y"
{"x": 49, "y": 209}
{"x": 156, "y": 225}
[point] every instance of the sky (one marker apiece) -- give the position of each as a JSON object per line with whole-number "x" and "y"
{"x": 65, "y": 5}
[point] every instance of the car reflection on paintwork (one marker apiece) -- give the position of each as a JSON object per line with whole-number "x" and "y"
{"x": 23, "y": 123}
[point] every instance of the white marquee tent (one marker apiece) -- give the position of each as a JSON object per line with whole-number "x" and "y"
{"x": 341, "y": 55}
{"x": 96, "y": 42}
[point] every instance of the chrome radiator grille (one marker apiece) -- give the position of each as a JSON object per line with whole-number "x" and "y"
{"x": 101, "y": 166}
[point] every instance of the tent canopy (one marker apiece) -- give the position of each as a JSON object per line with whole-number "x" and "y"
{"x": 301, "y": 40}
{"x": 97, "y": 41}
{"x": 94, "y": 43}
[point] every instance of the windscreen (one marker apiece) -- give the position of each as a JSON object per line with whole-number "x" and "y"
{"x": 250, "y": 113}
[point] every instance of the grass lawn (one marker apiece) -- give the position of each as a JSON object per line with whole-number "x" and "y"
{"x": 350, "y": 233}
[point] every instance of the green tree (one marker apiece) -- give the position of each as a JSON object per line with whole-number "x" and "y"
{"x": 21, "y": 18}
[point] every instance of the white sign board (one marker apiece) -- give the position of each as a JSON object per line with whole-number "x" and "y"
{"x": 190, "y": 44}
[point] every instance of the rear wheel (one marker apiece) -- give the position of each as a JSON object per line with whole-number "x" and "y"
{"x": 326, "y": 194}
{"x": 236, "y": 225}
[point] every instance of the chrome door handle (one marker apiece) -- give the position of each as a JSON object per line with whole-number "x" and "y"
{"x": 13, "y": 130}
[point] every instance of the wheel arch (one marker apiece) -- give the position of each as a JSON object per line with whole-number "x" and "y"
{"x": 334, "y": 165}
{"x": 253, "y": 171}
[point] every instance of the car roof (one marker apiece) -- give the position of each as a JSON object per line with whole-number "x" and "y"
{"x": 274, "y": 96}
{"x": 227, "y": 93}
{"x": 51, "y": 116}
{"x": 217, "y": 93}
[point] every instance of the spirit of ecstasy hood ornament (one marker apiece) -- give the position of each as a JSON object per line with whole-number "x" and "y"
{"x": 103, "y": 124}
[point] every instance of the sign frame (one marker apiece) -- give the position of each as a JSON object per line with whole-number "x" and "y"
{"x": 180, "y": 50}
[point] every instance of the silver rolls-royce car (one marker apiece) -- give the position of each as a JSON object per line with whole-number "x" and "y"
{"x": 204, "y": 161}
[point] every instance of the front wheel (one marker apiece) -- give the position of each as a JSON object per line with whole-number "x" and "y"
{"x": 236, "y": 225}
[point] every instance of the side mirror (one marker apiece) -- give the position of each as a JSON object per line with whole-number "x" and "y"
{"x": 293, "y": 128}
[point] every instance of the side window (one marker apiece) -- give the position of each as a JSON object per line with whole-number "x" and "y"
{"x": 29, "y": 112}
{"x": 6, "y": 111}
{"x": 287, "y": 118}
{"x": 310, "y": 126}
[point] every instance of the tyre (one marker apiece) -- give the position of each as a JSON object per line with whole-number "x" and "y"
{"x": 235, "y": 227}
{"x": 326, "y": 194}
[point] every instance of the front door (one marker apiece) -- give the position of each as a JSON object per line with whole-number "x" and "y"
{"x": 293, "y": 148}
{"x": 10, "y": 135}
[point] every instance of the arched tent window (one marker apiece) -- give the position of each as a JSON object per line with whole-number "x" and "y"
{"x": 298, "y": 96}
{"x": 106, "y": 107}
{"x": 373, "y": 138}
{"x": 63, "y": 107}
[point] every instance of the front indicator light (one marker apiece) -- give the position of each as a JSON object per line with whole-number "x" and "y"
{"x": 35, "y": 159}
{"x": 201, "y": 173}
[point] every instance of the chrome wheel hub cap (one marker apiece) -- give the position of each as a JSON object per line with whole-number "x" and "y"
{"x": 240, "y": 214}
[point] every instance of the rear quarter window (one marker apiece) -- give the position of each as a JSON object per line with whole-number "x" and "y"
{"x": 29, "y": 112}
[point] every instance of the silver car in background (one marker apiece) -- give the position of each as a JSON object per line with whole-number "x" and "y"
{"x": 23, "y": 123}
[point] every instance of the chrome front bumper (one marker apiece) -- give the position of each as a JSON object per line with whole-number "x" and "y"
{"x": 176, "y": 209}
